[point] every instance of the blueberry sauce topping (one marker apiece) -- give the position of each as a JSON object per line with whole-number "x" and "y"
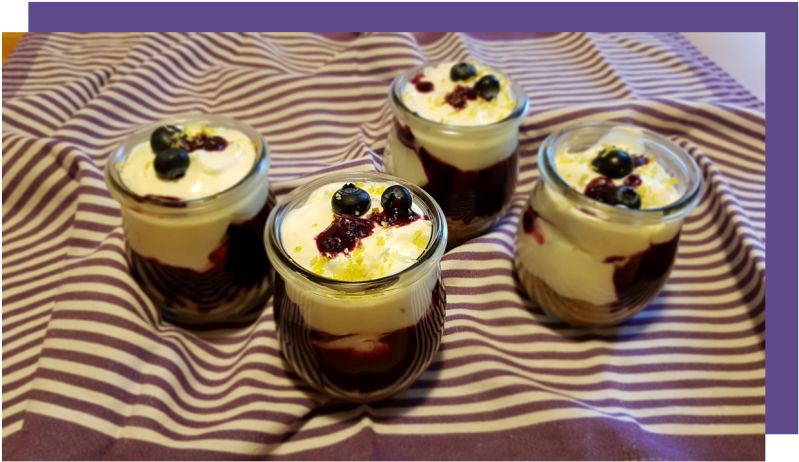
{"x": 487, "y": 87}
{"x": 613, "y": 163}
{"x": 351, "y": 200}
{"x": 349, "y": 226}
{"x": 462, "y": 71}
{"x": 205, "y": 142}
{"x": 457, "y": 98}
{"x": 343, "y": 235}
{"x": 424, "y": 87}
{"x": 633, "y": 181}
{"x": 171, "y": 163}
{"x": 640, "y": 160}
{"x": 627, "y": 197}
{"x": 601, "y": 189}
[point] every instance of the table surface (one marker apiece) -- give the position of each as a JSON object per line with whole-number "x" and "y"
{"x": 89, "y": 370}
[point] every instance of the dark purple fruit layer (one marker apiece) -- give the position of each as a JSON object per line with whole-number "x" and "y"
{"x": 238, "y": 270}
{"x": 381, "y": 365}
{"x": 465, "y": 195}
{"x": 530, "y": 225}
{"x": 644, "y": 274}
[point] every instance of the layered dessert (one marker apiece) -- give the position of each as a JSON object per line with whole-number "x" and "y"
{"x": 456, "y": 134}
{"x": 194, "y": 205}
{"x": 598, "y": 236}
{"x": 359, "y": 304}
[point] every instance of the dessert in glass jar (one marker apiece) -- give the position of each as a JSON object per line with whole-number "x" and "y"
{"x": 194, "y": 201}
{"x": 598, "y": 236}
{"x": 359, "y": 303}
{"x": 456, "y": 134}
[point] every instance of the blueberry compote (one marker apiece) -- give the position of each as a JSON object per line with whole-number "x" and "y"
{"x": 232, "y": 289}
{"x": 358, "y": 299}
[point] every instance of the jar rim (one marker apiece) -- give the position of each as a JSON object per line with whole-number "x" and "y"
{"x": 276, "y": 251}
{"x": 672, "y": 211}
{"x": 395, "y": 98}
{"x": 115, "y": 183}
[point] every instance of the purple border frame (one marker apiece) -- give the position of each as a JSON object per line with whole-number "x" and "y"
{"x": 778, "y": 20}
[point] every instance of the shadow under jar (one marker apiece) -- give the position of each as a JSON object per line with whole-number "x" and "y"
{"x": 596, "y": 242}
{"x": 367, "y": 338}
{"x": 195, "y": 243}
{"x": 459, "y": 146}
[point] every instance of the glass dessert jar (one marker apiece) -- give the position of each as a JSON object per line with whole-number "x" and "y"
{"x": 456, "y": 134}
{"x": 194, "y": 200}
{"x": 358, "y": 297}
{"x": 598, "y": 237}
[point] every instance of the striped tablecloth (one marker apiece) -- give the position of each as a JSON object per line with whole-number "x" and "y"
{"x": 90, "y": 372}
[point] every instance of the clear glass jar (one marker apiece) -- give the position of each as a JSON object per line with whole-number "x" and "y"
{"x": 201, "y": 261}
{"x": 471, "y": 171}
{"x": 590, "y": 263}
{"x": 359, "y": 341}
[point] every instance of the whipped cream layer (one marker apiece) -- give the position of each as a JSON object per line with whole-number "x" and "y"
{"x": 209, "y": 172}
{"x": 658, "y": 187}
{"x": 432, "y": 105}
{"x": 388, "y": 250}
{"x": 370, "y": 314}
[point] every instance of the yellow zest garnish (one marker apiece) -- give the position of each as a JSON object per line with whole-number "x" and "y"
{"x": 318, "y": 264}
{"x": 298, "y": 248}
{"x": 420, "y": 240}
{"x": 376, "y": 190}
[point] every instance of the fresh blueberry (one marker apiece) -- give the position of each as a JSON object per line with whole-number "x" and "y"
{"x": 487, "y": 87}
{"x": 396, "y": 200}
{"x": 613, "y": 163}
{"x": 163, "y": 138}
{"x": 351, "y": 200}
{"x": 171, "y": 163}
{"x": 628, "y": 197}
{"x": 601, "y": 189}
{"x": 462, "y": 71}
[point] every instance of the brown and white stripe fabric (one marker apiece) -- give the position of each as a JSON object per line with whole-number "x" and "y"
{"x": 89, "y": 371}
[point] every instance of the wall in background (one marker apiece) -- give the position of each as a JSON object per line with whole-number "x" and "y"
{"x": 741, "y": 54}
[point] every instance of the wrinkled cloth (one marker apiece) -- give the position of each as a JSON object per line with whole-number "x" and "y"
{"x": 90, "y": 371}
